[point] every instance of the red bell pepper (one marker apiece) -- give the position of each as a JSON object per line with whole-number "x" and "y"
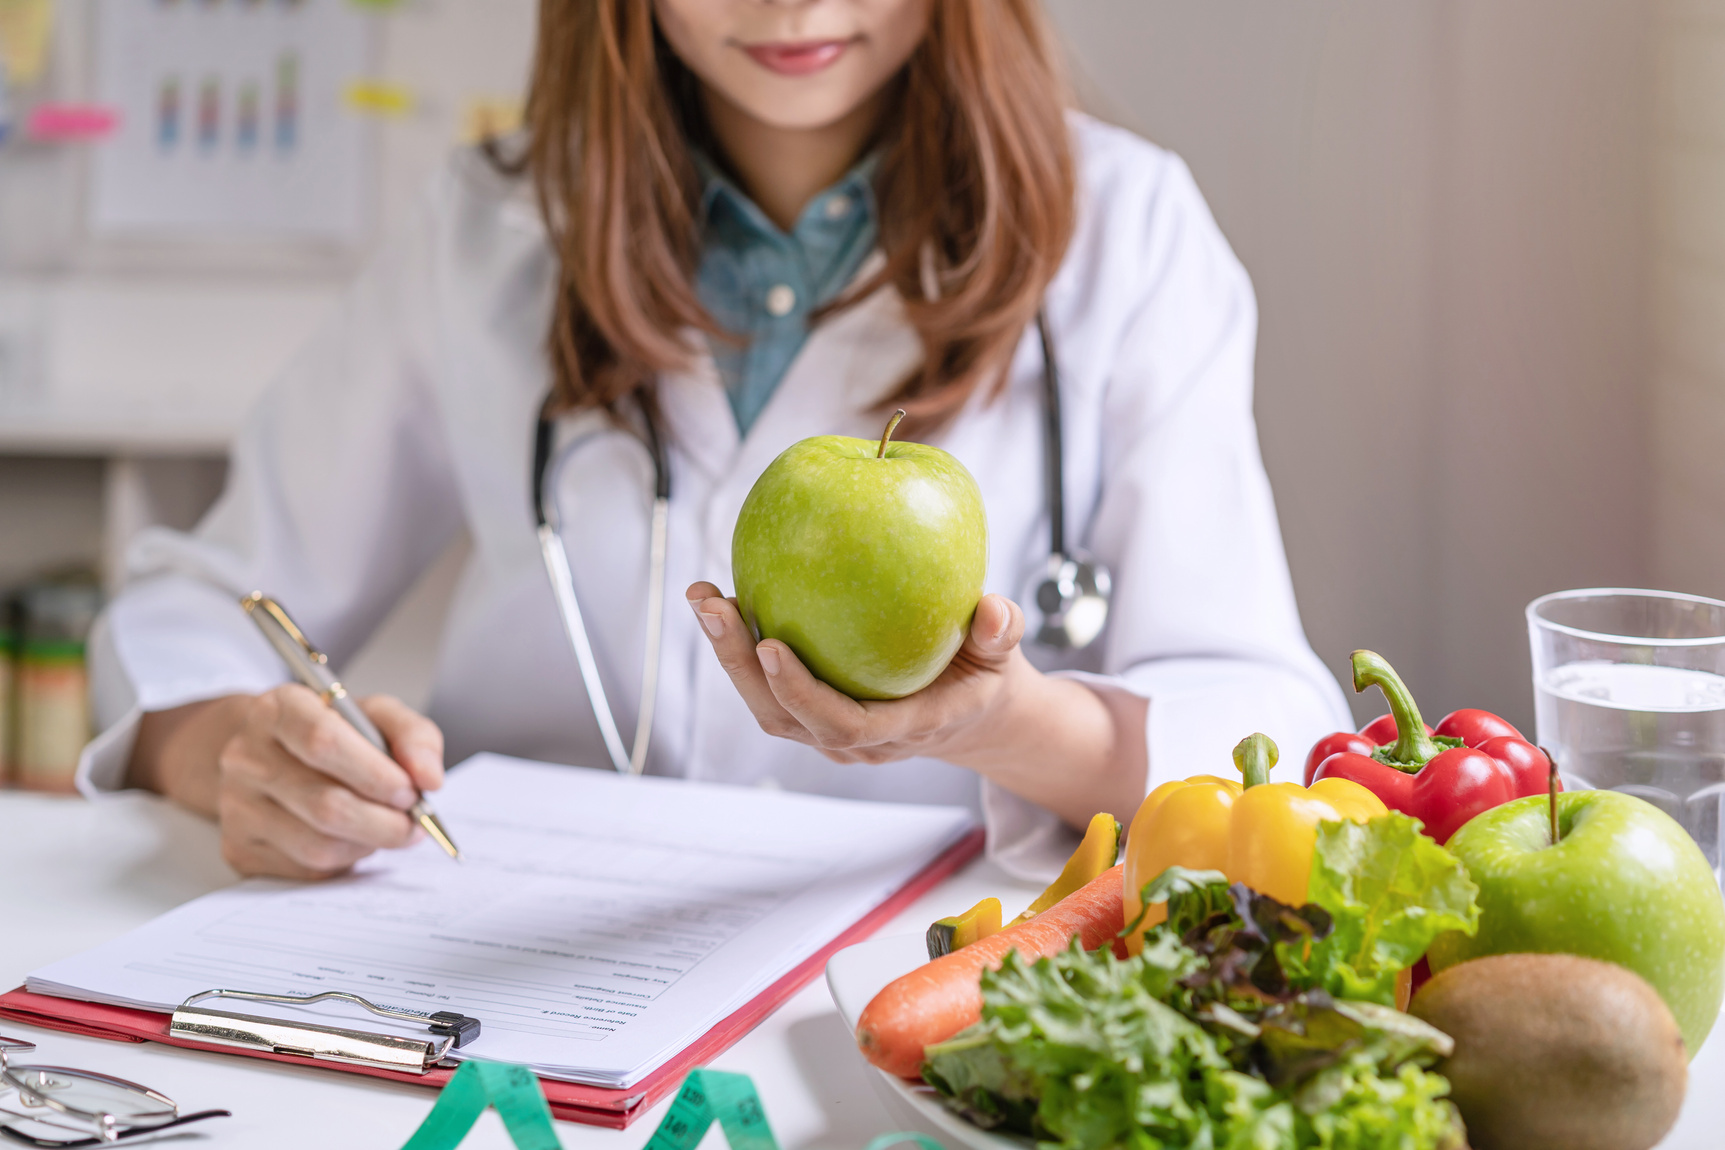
{"x": 1472, "y": 761}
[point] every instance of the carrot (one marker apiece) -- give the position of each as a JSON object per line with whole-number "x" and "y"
{"x": 940, "y": 998}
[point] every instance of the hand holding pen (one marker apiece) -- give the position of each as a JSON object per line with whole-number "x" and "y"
{"x": 303, "y": 792}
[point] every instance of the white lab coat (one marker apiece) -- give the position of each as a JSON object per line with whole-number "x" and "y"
{"x": 409, "y": 420}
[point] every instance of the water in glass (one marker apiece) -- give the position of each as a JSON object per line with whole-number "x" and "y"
{"x": 1653, "y": 732}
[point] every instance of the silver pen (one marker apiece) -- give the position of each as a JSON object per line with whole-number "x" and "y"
{"x": 310, "y": 667}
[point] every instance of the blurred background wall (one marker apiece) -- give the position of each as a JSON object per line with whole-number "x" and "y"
{"x": 1488, "y": 240}
{"x": 1444, "y": 206}
{"x": 1687, "y": 293}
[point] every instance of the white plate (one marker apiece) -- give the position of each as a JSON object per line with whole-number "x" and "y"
{"x": 855, "y": 975}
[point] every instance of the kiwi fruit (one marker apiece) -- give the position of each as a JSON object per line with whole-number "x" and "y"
{"x": 1557, "y": 1052}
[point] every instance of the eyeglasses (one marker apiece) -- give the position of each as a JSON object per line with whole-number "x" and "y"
{"x": 54, "y": 1106}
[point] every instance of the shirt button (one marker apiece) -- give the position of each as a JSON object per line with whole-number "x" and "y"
{"x": 838, "y": 206}
{"x": 780, "y": 300}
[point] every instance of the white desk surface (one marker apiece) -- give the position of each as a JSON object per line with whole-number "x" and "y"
{"x": 73, "y": 874}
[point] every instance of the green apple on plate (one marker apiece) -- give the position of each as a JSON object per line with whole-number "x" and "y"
{"x": 866, "y": 559}
{"x": 1623, "y": 883}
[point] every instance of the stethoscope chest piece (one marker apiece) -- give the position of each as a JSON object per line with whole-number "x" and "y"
{"x": 1074, "y": 592}
{"x": 1073, "y": 600}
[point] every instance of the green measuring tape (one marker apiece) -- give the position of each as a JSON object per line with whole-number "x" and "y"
{"x": 706, "y": 1096}
{"x": 709, "y": 1096}
{"x": 513, "y": 1090}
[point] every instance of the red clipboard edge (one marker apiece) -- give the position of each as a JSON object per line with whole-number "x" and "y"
{"x": 573, "y": 1102}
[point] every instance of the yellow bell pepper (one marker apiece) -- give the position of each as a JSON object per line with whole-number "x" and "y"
{"x": 1095, "y": 854}
{"x": 1258, "y": 833}
{"x": 946, "y": 935}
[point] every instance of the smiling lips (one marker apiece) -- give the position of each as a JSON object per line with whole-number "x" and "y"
{"x": 799, "y": 59}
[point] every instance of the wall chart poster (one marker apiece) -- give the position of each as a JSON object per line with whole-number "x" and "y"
{"x": 231, "y": 121}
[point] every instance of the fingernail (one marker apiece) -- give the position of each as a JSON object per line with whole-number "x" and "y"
{"x": 403, "y": 799}
{"x": 713, "y": 622}
{"x": 769, "y": 657}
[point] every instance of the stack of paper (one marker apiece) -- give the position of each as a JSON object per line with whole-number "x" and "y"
{"x": 596, "y": 926}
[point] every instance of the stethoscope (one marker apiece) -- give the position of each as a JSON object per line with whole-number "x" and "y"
{"x": 1072, "y": 596}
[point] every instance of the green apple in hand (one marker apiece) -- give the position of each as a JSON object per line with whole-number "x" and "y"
{"x": 1624, "y": 883}
{"x": 866, "y": 559}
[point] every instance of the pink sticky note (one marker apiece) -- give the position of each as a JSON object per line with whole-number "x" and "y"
{"x": 71, "y": 122}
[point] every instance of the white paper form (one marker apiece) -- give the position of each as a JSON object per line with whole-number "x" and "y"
{"x": 596, "y": 925}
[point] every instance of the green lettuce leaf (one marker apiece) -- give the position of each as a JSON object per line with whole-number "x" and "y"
{"x": 981, "y": 1082}
{"x": 1192, "y": 896}
{"x": 1239, "y": 933}
{"x": 1080, "y": 1051}
{"x": 1083, "y": 1051}
{"x": 1390, "y": 891}
{"x": 1301, "y": 1039}
{"x": 1355, "y": 1106}
{"x": 1242, "y": 947}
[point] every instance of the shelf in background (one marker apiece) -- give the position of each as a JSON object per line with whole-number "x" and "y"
{"x": 150, "y": 375}
{"x": 151, "y": 366}
{"x": 116, "y": 429}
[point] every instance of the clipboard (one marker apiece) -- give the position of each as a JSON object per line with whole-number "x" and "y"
{"x": 570, "y": 1101}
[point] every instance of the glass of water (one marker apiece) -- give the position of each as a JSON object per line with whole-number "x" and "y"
{"x": 1629, "y": 695}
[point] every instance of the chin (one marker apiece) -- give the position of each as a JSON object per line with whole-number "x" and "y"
{"x": 795, "y": 115}
{"x": 803, "y": 104}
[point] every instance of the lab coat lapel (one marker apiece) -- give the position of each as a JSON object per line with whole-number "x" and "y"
{"x": 698, "y": 416}
{"x": 846, "y": 369}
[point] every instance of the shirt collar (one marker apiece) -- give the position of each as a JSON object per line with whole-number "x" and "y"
{"x": 717, "y": 188}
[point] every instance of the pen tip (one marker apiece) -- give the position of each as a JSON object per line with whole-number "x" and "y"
{"x": 434, "y": 827}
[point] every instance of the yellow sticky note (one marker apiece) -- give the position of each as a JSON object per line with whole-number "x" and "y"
{"x": 484, "y": 117}
{"x": 25, "y": 26}
{"x": 376, "y": 98}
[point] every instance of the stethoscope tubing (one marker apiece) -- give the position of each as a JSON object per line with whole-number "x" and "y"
{"x": 1053, "y": 453}
{"x": 552, "y": 553}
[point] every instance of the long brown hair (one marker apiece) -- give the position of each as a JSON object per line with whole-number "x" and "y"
{"x": 976, "y": 195}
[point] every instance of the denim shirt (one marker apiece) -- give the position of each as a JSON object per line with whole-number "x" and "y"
{"x": 761, "y": 284}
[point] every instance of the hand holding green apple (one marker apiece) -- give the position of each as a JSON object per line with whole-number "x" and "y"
{"x": 866, "y": 561}
{"x": 808, "y": 571}
{"x": 988, "y": 704}
{"x": 1623, "y": 883}
{"x": 862, "y": 565}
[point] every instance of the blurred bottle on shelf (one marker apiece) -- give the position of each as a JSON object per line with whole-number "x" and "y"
{"x": 51, "y": 713}
{"x": 8, "y": 678}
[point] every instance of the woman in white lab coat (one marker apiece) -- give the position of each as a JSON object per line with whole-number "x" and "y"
{"x": 759, "y": 222}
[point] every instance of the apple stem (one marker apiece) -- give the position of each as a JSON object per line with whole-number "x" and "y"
{"x": 1551, "y": 790}
{"x": 891, "y": 426}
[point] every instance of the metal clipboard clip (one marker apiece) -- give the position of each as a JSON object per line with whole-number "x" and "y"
{"x": 324, "y": 1043}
